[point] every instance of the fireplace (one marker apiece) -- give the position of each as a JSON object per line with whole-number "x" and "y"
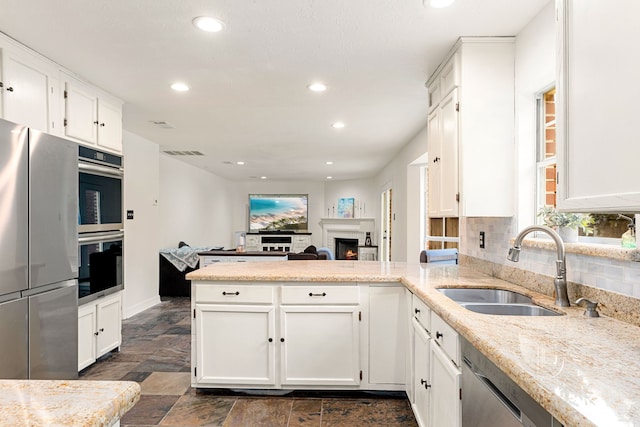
{"x": 346, "y": 248}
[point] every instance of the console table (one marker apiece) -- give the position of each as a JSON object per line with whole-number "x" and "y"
{"x": 211, "y": 257}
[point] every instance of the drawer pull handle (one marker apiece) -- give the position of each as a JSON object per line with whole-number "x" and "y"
{"x": 438, "y": 335}
{"x": 416, "y": 310}
{"x": 230, "y": 293}
{"x": 311, "y": 294}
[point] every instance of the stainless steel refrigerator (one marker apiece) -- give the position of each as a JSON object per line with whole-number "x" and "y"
{"x": 38, "y": 254}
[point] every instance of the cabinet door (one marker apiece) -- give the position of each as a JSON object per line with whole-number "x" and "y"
{"x": 109, "y": 318}
{"x": 421, "y": 381}
{"x": 448, "y": 162}
{"x": 445, "y": 406}
{"x": 598, "y": 150}
{"x": 26, "y": 91}
{"x": 235, "y": 344}
{"x": 87, "y": 332}
{"x": 109, "y": 125}
{"x": 81, "y": 112}
{"x": 387, "y": 334}
{"x": 434, "y": 138}
{"x": 320, "y": 345}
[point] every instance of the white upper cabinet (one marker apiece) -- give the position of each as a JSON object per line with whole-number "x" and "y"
{"x": 29, "y": 87}
{"x": 91, "y": 117}
{"x": 598, "y": 148}
{"x": 471, "y": 130}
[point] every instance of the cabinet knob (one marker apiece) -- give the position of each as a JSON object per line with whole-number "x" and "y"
{"x": 96, "y": 122}
{"x": 96, "y": 333}
{"x": 101, "y": 329}
{"x": 270, "y": 339}
{"x": 438, "y": 335}
{"x": 416, "y": 310}
{"x": 281, "y": 339}
{"x": 425, "y": 383}
{"x": 436, "y": 160}
{"x": 9, "y": 89}
{"x": 102, "y": 124}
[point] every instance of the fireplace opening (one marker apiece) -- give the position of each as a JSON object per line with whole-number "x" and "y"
{"x": 347, "y": 249}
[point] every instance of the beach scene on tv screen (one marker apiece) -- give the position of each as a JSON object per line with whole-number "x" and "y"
{"x": 286, "y": 212}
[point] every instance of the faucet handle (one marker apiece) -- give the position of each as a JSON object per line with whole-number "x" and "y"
{"x": 592, "y": 307}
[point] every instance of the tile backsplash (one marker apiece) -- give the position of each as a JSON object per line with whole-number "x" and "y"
{"x": 607, "y": 275}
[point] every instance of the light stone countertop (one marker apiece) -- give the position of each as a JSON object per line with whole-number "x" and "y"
{"x": 63, "y": 403}
{"x": 584, "y": 371}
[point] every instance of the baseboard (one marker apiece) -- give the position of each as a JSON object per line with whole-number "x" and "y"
{"x": 140, "y": 307}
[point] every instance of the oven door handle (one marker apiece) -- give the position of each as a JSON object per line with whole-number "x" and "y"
{"x": 102, "y": 170}
{"x": 100, "y": 237}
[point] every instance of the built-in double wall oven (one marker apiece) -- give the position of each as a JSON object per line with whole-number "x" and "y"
{"x": 100, "y": 223}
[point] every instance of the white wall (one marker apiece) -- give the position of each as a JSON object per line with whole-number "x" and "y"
{"x": 534, "y": 72}
{"x": 195, "y": 206}
{"x": 142, "y": 237}
{"x": 365, "y": 192}
{"x": 406, "y": 241}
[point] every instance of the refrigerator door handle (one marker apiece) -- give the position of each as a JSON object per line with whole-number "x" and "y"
{"x": 47, "y": 288}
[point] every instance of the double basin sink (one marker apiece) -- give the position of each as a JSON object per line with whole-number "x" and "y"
{"x": 496, "y": 301}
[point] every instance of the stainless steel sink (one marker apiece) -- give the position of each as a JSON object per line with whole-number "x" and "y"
{"x": 510, "y": 309}
{"x": 496, "y": 301}
{"x": 485, "y": 295}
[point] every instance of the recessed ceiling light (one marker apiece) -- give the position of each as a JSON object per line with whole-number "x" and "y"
{"x": 328, "y": 163}
{"x": 208, "y": 24}
{"x": 338, "y": 125}
{"x": 329, "y": 177}
{"x": 317, "y": 87}
{"x": 263, "y": 177}
{"x": 240, "y": 163}
{"x": 180, "y": 87}
{"x": 440, "y": 3}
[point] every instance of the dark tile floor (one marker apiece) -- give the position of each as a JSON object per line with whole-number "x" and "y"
{"x": 155, "y": 352}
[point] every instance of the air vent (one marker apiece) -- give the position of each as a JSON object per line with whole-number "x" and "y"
{"x": 184, "y": 153}
{"x": 162, "y": 124}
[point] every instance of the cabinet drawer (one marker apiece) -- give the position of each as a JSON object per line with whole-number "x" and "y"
{"x": 320, "y": 294}
{"x": 233, "y": 293}
{"x": 446, "y": 337}
{"x": 421, "y": 312}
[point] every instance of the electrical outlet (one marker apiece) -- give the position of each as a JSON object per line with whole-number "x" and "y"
{"x": 481, "y": 240}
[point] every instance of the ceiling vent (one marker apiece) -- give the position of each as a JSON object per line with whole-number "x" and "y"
{"x": 184, "y": 153}
{"x": 162, "y": 124}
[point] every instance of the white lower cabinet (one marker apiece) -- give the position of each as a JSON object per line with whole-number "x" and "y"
{"x": 272, "y": 336}
{"x": 238, "y": 346}
{"x": 320, "y": 345}
{"x": 99, "y": 328}
{"x": 445, "y": 407}
{"x": 421, "y": 382}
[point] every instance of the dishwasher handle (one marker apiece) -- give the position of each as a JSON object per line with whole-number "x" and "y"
{"x": 495, "y": 391}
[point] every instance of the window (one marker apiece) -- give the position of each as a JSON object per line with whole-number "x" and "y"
{"x": 602, "y": 228}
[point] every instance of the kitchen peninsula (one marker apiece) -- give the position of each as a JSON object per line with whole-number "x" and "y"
{"x": 581, "y": 370}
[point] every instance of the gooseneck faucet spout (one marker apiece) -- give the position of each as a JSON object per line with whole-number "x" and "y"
{"x": 560, "y": 282}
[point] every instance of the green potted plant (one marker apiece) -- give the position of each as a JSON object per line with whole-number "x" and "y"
{"x": 566, "y": 224}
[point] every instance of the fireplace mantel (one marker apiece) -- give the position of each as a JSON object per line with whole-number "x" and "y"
{"x": 348, "y": 228}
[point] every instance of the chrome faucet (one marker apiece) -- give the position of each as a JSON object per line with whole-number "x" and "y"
{"x": 560, "y": 282}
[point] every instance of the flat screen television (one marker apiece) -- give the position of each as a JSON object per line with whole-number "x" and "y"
{"x": 278, "y": 212}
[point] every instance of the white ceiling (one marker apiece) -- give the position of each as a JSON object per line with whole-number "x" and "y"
{"x": 248, "y": 98}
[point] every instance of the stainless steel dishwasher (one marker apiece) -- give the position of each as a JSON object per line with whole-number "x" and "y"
{"x": 491, "y": 399}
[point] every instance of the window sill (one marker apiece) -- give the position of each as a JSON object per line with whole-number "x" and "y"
{"x": 589, "y": 249}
